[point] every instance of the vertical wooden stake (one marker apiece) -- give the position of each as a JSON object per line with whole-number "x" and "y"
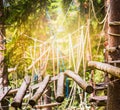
{"x": 60, "y": 88}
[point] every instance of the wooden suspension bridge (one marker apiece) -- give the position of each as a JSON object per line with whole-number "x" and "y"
{"x": 41, "y": 87}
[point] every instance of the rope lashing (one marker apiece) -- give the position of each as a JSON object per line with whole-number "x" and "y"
{"x": 114, "y": 23}
{"x": 114, "y": 34}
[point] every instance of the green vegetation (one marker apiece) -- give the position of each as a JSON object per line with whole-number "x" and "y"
{"x": 65, "y": 33}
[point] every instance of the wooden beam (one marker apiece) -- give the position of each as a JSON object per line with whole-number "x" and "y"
{"x": 33, "y": 87}
{"x": 40, "y": 90}
{"x": 79, "y": 81}
{"x": 115, "y": 71}
{"x": 12, "y": 69}
{"x": 54, "y": 78}
{"x": 17, "y": 101}
{"x": 13, "y": 91}
{"x": 47, "y": 105}
{"x": 60, "y": 88}
{"x": 99, "y": 100}
{"x": 4, "y": 92}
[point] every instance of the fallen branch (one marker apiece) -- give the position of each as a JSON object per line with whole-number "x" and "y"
{"x": 115, "y": 71}
{"x": 21, "y": 92}
{"x": 47, "y": 105}
{"x": 79, "y": 81}
{"x": 40, "y": 90}
{"x": 60, "y": 88}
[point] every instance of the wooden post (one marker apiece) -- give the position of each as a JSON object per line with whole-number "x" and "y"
{"x": 79, "y": 81}
{"x": 39, "y": 91}
{"x": 60, "y": 88}
{"x": 115, "y": 71}
{"x": 21, "y": 92}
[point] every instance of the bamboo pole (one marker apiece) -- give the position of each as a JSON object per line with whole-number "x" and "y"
{"x": 21, "y": 92}
{"x": 60, "y": 88}
{"x": 47, "y": 105}
{"x": 115, "y": 71}
{"x": 40, "y": 90}
{"x": 79, "y": 81}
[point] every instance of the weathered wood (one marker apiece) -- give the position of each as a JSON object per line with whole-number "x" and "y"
{"x": 4, "y": 92}
{"x": 113, "y": 95}
{"x": 47, "y": 98}
{"x": 13, "y": 91}
{"x": 33, "y": 87}
{"x": 17, "y": 101}
{"x": 60, "y": 88}
{"x": 100, "y": 86}
{"x": 54, "y": 78}
{"x": 99, "y": 100}
{"x": 115, "y": 71}
{"x": 40, "y": 90}
{"x": 47, "y": 105}
{"x": 12, "y": 69}
{"x": 79, "y": 81}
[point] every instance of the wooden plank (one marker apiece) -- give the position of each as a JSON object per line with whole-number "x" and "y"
{"x": 99, "y": 100}
{"x": 115, "y": 71}
{"x": 79, "y": 81}
{"x": 39, "y": 91}
{"x": 60, "y": 88}
{"x": 17, "y": 101}
{"x": 3, "y": 92}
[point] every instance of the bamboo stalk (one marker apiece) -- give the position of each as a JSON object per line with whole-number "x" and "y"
{"x": 79, "y": 81}
{"x": 21, "y": 92}
{"x": 47, "y": 105}
{"x": 115, "y": 71}
{"x": 40, "y": 90}
{"x": 60, "y": 88}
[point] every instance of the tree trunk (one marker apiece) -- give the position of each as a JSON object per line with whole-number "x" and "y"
{"x": 114, "y": 41}
{"x": 3, "y": 65}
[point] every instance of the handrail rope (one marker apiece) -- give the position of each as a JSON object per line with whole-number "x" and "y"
{"x": 93, "y": 9}
{"x": 103, "y": 30}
